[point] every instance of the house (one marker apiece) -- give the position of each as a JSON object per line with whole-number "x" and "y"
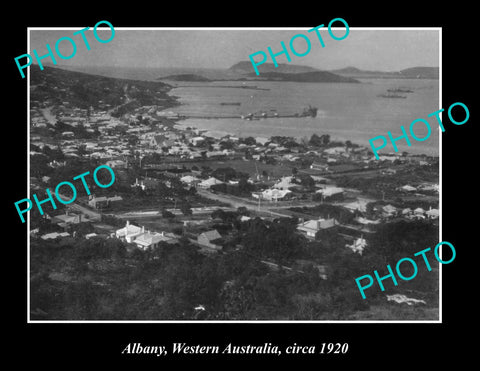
{"x": 197, "y": 140}
{"x": 150, "y": 240}
{"x": 103, "y": 202}
{"x": 366, "y": 221}
{"x": 285, "y": 183}
{"x": 206, "y": 239}
{"x": 388, "y": 158}
{"x": 215, "y": 154}
{"x": 419, "y": 213}
{"x": 129, "y": 232}
{"x": 388, "y": 171}
{"x": 261, "y": 140}
{"x": 53, "y": 235}
{"x": 272, "y": 194}
{"x": 331, "y": 193}
{"x": 389, "y": 211}
{"x": 429, "y": 187}
{"x": 319, "y": 179}
{"x": 114, "y": 199}
{"x": 206, "y": 184}
{"x": 407, "y": 188}
{"x": 432, "y": 213}
{"x": 407, "y": 212}
{"x": 312, "y": 227}
{"x": 190, "y": 180}
{"x": 98, "y": 202}
{"x": 319, "y": 166}
{"x": 335, "y": 150}
{"x": 360, "y": 205}
{"x": 116, "y": 164}
{"x": 358, "y": 245}
{"x": 68, "y": 218}
{"x": 194, "y": 155}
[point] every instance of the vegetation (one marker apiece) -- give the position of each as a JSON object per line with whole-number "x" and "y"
{"x": 84, "y": 90}
{"x": 106, "y": 279}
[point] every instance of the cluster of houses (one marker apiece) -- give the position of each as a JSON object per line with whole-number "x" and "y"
{"x": 209, "y": 241}
{"x": 144, "y": 239}
{"x": 156, "y": 134}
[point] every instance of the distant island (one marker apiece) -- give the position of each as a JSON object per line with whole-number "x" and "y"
{"x": 245, "y": 67}
{"x": 242, "y": 71}
{"x": 408, "y": 73}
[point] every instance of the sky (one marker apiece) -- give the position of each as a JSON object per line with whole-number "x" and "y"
{"x": 368, "y": 49}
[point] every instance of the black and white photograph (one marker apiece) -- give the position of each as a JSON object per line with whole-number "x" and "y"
{"x": 235, "y": 190}
{"x": 184, "y": 184}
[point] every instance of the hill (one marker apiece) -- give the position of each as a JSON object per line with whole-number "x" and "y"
{"x": 83, "y": 90}
{"x": 315, "y": 76}
{"x": 185, "y": 77}
{"x": 246, "y": 67}
{"x": 409, "y": 73}
{"x": 421, "y": 72}
{"x": 356, "y": 72}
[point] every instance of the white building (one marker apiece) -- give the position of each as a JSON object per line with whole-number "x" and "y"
{"x": 209, "y": 182}
{"x": 311, "y": 227}
{"x": 272, "y": 194}
{"x": 129, "y": 232}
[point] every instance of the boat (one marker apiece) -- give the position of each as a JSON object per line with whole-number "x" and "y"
{"x": 391, "y": 95}
{"x": 307, "y": 112}
{"x": 400, "y": 90}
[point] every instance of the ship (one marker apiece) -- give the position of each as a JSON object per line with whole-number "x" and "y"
{"x": 230, "y": 103}
{"x": 391, "y": 95}
{"x": 400, "y": 90}
{"x": 307, "y": 112}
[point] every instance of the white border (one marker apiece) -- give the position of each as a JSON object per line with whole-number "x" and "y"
{"x": 294, "y": 322}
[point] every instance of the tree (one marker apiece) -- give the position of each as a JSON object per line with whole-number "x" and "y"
{"x": 226, "y": 145}
{"x": 82, "y": 150}
{"x": 315, "y": 140}
{"x": 167, "y": 214}
{"x": 225, "y": 173}
{"x": 325, "y": 139}
{"x": 217, "y": 214}
{"x": 244, "y": 187}
{"x": 404, "y": 238}
{"x": 242, "y": 210}
{"x": 186, "y": 208}
{"x": 307, "y": 181}
{"x": 249, "y": 141}
{"x": 369, "y": 209}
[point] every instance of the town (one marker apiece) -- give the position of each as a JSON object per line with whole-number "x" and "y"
{"x": 234, "y": 213}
